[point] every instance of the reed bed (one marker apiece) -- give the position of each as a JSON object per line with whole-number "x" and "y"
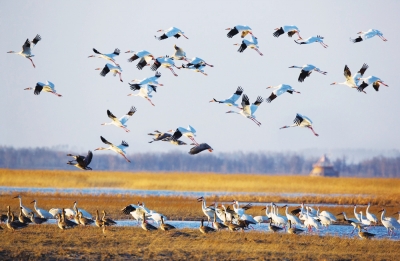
{"x": 200, "y": 182}
{"x": 48, "y": 242}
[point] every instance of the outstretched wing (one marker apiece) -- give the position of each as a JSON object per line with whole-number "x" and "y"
{"x": 134, "y": 57}
{"x": 232, "y": 32}
{"x": 346, "y": 72}
{"x": 88, "y": 158}
{"x": 116, "y": 51}
{"x": 362, "y": 86}
{"x": 128, "y": 209}
{"x": 105, "y": 141}
{"x": 255, "y": 105}
{"x": 141, "y": 64}
{"x": 26, "y": 48}
{"x": 38, "y": 89}
{"x": 358, "y": 39}
{"x": 242, "y": 47}
{"x": 271, "y": 97}
{"x": 303, "y": 75}
{"x": 363, "y": 69}
{"x": 94, "y": 50}
{"x": 111, "y": 116}
{"x": 245, "y": 101}
{"x": 125, "y": 118}
{"x": 36, "y": 39}
{"x": 105, "y": 71}
{"x": 236, "y": 95}
{"x": 177, "y": 134}
{"x": 155, "y": 65}
{"x": 278, "y": 32}
{"x": 134, "y": 87}
{"x": 299, "y": 119}
{"x": 124, "y": 143}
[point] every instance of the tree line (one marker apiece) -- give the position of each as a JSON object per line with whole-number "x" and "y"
{"x": 235, "y": 162}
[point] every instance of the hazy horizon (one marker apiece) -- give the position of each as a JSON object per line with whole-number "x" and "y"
{"x": 344, "y": 118}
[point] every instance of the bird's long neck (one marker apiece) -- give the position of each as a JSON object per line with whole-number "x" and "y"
{"x": 298, "y": 67}
{"x": 104, "y": 215}
{"x": 34, "y": 205}
{"x": 383, "y": 214}
{"x": 20, "y": 202}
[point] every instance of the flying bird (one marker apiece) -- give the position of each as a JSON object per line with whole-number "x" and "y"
{"x": 375, "y": 81}
{"x": 121, "y": 122}
{"x": 289, "y": 29}
{"x": 27, "y": 48}
{"x": 109, "y": 57}
{"x": 368, "y": 34}
{"x": 197, "y": 60}
{"x": 197, "y": 67}
{"x": 114, "y": 70}
{"x": 179, "y": 53}
{"x": 249, "y": 110}
{"x": 145, "y": 58}
{"x": 165, "y": 62}
{"x": 172, "y": 31}
{"x": 280, "y": 89}
{"x": 120, "y": 149}
{"x": 188, "y": 132}
{"x": 239, "y": 28}
{"x": 313, "y": 39}
{"x": 253, "y": 44}
{"x": 302, "y": 121}
{"x": 231, "y": 101}
{"x": 306, "y": 71}
{"x": 199, "y": 148}
{"x": 352, "y": 81}
{"x": 82, "y": 162}
{"x": 159, "y": 136}
{"x": 153, "y": 80}
{"x": 144, "y": 91}
{"x": 46, "y": 87}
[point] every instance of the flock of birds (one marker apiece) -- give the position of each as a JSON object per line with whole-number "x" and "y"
{"x": 232, "y": 218}
{"x": 147, "y": 86}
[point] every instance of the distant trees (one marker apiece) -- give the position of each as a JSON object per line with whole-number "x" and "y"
{"x": 239, "y": 162}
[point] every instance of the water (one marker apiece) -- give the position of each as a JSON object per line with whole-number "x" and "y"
{"x": 333, "y": 230}
{"x": 117, "y": 191}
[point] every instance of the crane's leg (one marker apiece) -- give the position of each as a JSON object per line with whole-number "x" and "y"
{"x": 150, "y": 101}
{"x": 299, "y": 36}
{"x": 184, "y": 36}
{"x": 125, "y": 157}
{"x": 203, "y": 73}
{"x": 192, "y": 139}
{"x": 32, "y": 62}
{"x": 258, "y": 51}
{"x": 208, "y": 64}
{"x": 313, "y": 131}
{"x": 172, "y": 70}
{"x": 125, "y": 129}
{"x": 120, "y": 77}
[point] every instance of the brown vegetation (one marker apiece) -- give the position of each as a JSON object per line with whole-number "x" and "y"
{"x": 47, "y": 242}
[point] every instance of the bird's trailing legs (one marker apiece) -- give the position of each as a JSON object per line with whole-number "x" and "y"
{"x": 258, "y": 51}
{"x": 313, "y": 131}
{"x": 383, "y": 38}
{"x": 150, "y": 101}
{"x": 32, "y": 62}
{"x": 125, "y": 157}
{"x": 120, "y": 76}
{"x": 172, "y": 70}
{"x": 208, "y": 64}
{"x": 255, "y": 121}
{"x": 324, "y": 45}
{"x": 59, "y": 95}
{"x": 194, "y": 141}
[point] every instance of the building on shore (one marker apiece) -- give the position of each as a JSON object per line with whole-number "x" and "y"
{"x": 323, "y": 168}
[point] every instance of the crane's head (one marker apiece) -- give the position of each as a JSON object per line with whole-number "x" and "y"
{"x": 101, "y": 148}
{"x": 130, "y": 51}
{"x": 17, "y": 196}
{"x": 33, "y": 201}
{"x": 29, "y": 88}
{"x": 200, "y": 199}
{"x": 11, "y": 52}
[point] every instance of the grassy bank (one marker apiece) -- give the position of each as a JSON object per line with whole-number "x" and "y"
{"x": 379, "y": 191}
{"x": 46, "y": 242}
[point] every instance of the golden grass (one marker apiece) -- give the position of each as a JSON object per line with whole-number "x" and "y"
{"x": 199, "y": 182}
{"x": 48, "y": 242}
{"x": 379, "y": 191}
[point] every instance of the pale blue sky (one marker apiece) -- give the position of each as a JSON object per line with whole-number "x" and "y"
{"x": 343, "y": 117}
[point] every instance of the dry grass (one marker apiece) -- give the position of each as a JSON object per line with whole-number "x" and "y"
{"x": 47, "y": 242}
{"x": 199, "y": 182}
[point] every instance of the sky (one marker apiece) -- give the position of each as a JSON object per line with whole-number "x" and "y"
{"x": 343, "y": 117}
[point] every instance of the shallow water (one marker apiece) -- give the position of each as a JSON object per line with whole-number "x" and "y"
{"x": 333, "y": 230}
{"x": 116, "y": 191}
